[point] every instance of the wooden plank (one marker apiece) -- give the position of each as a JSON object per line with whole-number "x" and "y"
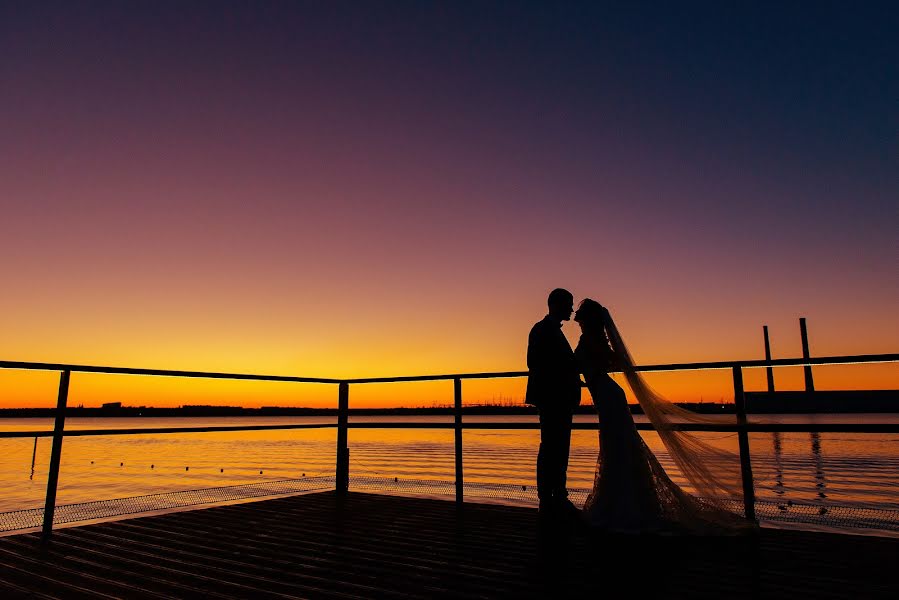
{"x": 370, "y": 545}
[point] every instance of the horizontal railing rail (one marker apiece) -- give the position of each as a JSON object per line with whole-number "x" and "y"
{"x": 723, "y": 428}
{"x": 155, "y": 430}
{"x": 38, "y": 366}
{"x": 742, "y": 427}
{"x": 695, "y": 366}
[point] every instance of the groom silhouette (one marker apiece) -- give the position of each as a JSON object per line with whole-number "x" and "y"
{"x": 554, "y": 387}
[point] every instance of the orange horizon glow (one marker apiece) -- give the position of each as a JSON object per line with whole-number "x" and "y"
{"x": 21, "y": 389}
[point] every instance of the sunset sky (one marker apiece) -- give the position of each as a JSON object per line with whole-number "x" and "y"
{"x": 348, "y": 190}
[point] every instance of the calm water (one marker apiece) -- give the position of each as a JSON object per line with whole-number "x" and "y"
{"x": 830, "y": 469}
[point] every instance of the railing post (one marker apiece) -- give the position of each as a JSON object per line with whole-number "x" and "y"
{"x": 803, "y": 332}
{"x": 55, "y": 455}
{"x": 743, "y": 437}
{"x": 768, "y": 370}
{"x": 342, "y": 475}
{"x": 457, "y": 389}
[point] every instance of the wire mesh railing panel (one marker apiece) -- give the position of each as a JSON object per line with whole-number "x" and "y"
{"x": 833, "y": 516}
{"x": 86, "y": 511}
{"x": 522, "y": 495}
{"x": 850, "y": 518}
{"x": 841, "y": 517}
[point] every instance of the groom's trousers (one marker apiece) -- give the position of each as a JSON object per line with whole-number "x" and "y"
{"x": 552, "y": 458}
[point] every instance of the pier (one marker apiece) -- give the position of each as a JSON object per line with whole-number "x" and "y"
{"x": 319, "y": 545}
{"x": 340, "y": 540}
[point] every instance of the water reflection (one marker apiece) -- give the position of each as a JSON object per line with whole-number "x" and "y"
{"x": 33, "y": 457}
{"x": 778, "y": 464}
{"x": 820, "y": 482}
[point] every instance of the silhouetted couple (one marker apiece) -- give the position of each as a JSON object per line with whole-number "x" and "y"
{"x": 631, "y": 491}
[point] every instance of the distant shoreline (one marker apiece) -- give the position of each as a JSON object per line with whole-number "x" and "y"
{"x": 866, "y": 401}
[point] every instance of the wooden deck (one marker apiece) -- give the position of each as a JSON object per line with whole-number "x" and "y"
{"x": 375, "y": 546}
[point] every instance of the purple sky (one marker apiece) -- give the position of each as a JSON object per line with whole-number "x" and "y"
{"x": 337, "y": 189}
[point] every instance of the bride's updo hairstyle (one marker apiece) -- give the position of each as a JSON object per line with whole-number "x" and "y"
{"x": 591, "y": 315}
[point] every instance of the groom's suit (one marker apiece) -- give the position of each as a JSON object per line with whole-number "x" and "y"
{"x": 554, "y": 387}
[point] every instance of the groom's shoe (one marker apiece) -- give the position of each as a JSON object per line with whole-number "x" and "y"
{"x": 549, "y": 509}
{"x": 567, "y": 509}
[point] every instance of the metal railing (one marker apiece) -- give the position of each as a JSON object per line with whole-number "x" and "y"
{"x": 742, "y": 427}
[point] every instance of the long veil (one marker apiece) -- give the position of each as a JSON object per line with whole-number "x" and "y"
{"x": 714, "y": 472}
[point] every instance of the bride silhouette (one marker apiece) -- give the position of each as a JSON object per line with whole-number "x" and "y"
{"x": 631, "y": 491}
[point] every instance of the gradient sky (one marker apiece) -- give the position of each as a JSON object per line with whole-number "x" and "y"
{"x": 331, "y": 189}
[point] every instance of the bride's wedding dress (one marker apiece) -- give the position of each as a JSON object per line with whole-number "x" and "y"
{"x": 632, "y": 492}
